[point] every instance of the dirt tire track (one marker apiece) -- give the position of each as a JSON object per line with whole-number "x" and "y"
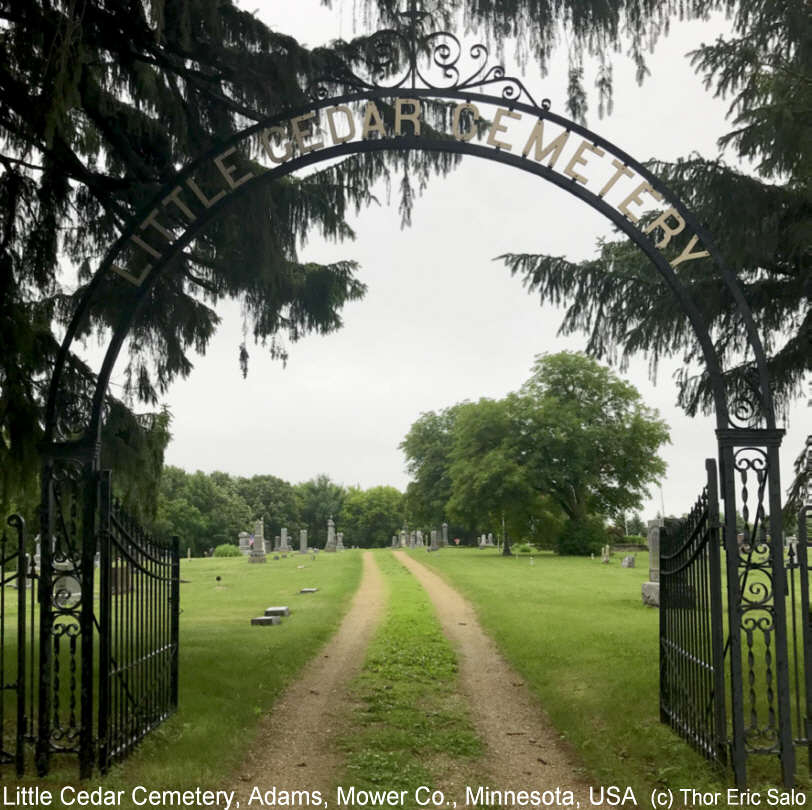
{"x": 522, "y": 749}
{"x": 295, "y": 747}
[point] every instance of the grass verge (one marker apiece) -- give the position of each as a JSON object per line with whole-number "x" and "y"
{"x": 412, "y": 726}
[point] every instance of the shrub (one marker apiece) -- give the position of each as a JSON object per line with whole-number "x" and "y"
{"x": 524, "y": 548}
{"x": 227, "y": 550}
{"x": 635, "y": 540}
{"x": 582, "y": 537}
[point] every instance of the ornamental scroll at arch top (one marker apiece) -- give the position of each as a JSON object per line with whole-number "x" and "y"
{"x": 412, "y": 57}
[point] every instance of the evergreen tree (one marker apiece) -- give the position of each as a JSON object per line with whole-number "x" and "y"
{"x": 99, "y": 105}
{"x": 760, "y": 220}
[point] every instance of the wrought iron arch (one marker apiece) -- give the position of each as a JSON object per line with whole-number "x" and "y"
{"x": 73, "y": 439}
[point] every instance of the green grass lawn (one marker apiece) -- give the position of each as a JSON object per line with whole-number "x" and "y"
{"x": 230, "y": 672}
{"x": 412, "y": 724}
{"x": 577, "y": 631}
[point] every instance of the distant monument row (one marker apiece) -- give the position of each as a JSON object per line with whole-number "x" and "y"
{"x": 255, "y": 546}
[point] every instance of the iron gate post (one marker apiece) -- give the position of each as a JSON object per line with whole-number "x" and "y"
{"x": 105, "y": 604}
{"x": 757, "y": 588}
{"x": 45, "y": 599}
{"x": 90, "y": 493}
{"x": 717, "y": 632}
{"x": 787, "y": 751}
{"x": 806, "y": 629}
{"x": 738, "y": 754}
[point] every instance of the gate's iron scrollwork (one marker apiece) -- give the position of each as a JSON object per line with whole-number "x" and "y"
{"x": 78, "y": 519}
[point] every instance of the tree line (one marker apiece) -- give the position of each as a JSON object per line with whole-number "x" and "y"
{"x": 206, "y": 510}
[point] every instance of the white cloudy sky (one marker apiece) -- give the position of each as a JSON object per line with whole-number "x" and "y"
{"x": 442, "y": 321}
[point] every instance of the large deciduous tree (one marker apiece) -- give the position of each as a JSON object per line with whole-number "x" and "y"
{"x": 586, "y": 440}
{"x": 489, "y": 486}
{"x": 427, "y": 448}
{"x": 575, "y": 443}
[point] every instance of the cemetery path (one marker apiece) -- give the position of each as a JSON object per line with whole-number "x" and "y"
{"x": 522, "y": 748}
{"x": 295, "y": 748}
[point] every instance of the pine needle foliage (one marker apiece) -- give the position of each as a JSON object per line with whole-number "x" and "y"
{"x": 761, "y": 221}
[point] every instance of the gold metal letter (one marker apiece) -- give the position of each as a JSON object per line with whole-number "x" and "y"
{"x": 413, "y": 116}
{"x": 338, "y": 139}
{"x": 687, "y": 256}
{"x": 227, "y": 171}
{"x": 299, "y": 135}
{"x": 264, "y": 139}
{"x": 174, "y": 197}
{"x": 208, "y": 203}
{"x": 150, "y": 220}
{"x": 578, "y": 158}
{"x": 635, "y": 198}
{"x": 458, "y": 134}
{"x": 668, "y": 231}
{"x": 620, "y": 170}
{"x": 497, "y": 126}
{"x": 535, "y": 142}
{"x": 371, "y": 113}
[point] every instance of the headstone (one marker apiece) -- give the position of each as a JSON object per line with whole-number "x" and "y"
{"x": 308, "y": 590}
{"x": 394, "y": 540}
{"x": 412, "y": 539}
{"x": 188, "y": 552}
{"x": 434, "y": 543}
{"x": 340, "y": 541}
{"x": 605, "y": 554}
{"x": 490, "y": 538}
{"x": 37, "y": 558}
{"x": 627, "y": 561}
{"x": 283, "y": 538}
{"x": 266, "y": 621}
{"x": 96, "y": 559}
{"x": 302, "y": 541}
{"x": 444, "y": 540}
{"x": 331, "y": 535}
{"x": 258, "y": 550}
{"x": 278, "y": 610}
{"x": 418, "y": 541}
{"x": 276, "y": 543}
{"x": 403, "y": 540}
{"x": 651, "y": 589}
{"x": 245, "y": 542}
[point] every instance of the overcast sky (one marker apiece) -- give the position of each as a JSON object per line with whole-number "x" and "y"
{"x": 443, "y": 322}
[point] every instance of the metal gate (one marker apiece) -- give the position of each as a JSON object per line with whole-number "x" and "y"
{"x": 94, "y": 665}
{"x": 692, "y": 681}
{"x": 138, "y": 650}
